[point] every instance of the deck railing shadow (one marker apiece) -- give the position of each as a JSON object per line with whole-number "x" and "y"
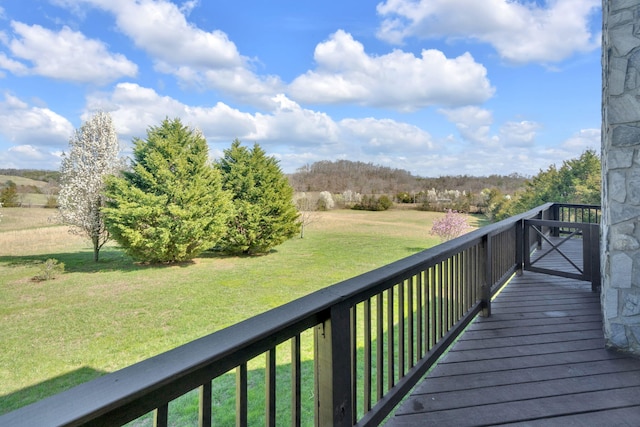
{"x": 417, "y": 305}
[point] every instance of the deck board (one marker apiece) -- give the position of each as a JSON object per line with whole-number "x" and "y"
{"x": 538, "y": 361}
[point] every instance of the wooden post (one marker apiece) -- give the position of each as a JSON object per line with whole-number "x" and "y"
{"x": 488, "y": 273}
{"x": 333, "y": 406}
{"x": 520, "y": 244}
{"x": 594, "y": 231}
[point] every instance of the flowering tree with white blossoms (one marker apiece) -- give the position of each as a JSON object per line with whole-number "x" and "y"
{"x": 94, "y": 154}
{"x": 452, "y": 225}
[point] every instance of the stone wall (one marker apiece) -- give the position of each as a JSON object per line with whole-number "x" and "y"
{"x": 621, "y": 174}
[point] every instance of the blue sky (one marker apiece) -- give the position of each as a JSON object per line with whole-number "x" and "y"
{"x": 436, "y": 87}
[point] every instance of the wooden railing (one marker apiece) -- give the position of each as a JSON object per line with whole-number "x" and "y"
{"x": 375, "y": 335}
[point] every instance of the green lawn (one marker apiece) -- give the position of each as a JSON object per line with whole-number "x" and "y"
{"x": 97, "y": 318}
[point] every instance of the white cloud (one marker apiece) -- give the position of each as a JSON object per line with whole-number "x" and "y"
{"x": 29, "y": 157}
{"x": 473, "y": 123}
{"x": 22, "y": 124}
{"x": 582, "y": 140}
{"x": 206, "y": 59}
{"x": 287, "y": 129}
{"x": 15, "y": 67}
{"x": 385, "y": 135}
{"x": 291, "y": 124}
{"x": 64, "y": 55}
{"x": 520, "y": 134}
{"x": 347, "y": 74}
{"x": 521, "y": 32}
{"x": 188, "y": 6}
{"x": 134, "y": 108}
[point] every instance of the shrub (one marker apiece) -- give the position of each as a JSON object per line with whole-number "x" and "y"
{"x": 49, "y": 270}
{"x": 52, "y": 202}
{"x": 452, "y": 225}
{"x": 325, "y": 202}
{"x": 404, "y": 197}
{"x": 373, "y": 203}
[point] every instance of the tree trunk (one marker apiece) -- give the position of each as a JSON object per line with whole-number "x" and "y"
{"x": 96, "y": 248}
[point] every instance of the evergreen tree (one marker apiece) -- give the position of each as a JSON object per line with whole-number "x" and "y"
{"x": 576, "y": 181}
{"x": 93, "y": 155}
{"x": 265, "y": 214}
{"x": 170, "y": 207}
{"x": 9, "y": 195}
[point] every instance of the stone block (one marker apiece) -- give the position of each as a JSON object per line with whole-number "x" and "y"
{"x": 620, "y": 158}
{"x": 610, "y": 303}
{"x": 619, "y": 212}
{"x": 635, "y": 331}
{"x": 619, "y": 5}
{"x": 618, "y": 336}
{"x": 622, "y": 40}
{"x": 625, "y": 243}
{"x": 625, "y": 228}
{"x": 631, "y": 305}
{"x": 633, "y": 187}
{"x": 621, "y": 269}
{"x": 617, "y": 75}
{"x": 626, "y": 135}
{"x": 617, "y": 186}
{"x": 621, "y": 18}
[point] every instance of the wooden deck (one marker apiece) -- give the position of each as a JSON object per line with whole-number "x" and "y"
{"x": 538, "y": 361}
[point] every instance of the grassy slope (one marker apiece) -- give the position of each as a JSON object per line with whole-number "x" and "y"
{"x": 97, "y": 318}
{"x": 28, "y": 198}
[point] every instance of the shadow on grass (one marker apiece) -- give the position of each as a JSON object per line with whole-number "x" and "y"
{"x": 184, "y": 410}
{"x": 47, "y": 388}
{"x": 111, "y": 259}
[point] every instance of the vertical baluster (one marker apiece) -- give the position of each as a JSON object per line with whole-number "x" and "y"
{"x": 428, "y": 301}
{"x": 401, "y": 329}
{"x": 241, "y": 395}
{"x": 204, "y": 415}
{"x": 270, "y": 388}
{"x": 367, "y": 355}
{"x": 455, "y": 282}
{"x": 390, "y": 340}
{"x": 379, "y": 347}
{"x": 161, "y": 416}
{"x": 444, "y": 299}
{"x": 473, "y": 270}
{"x": 466, "y": 261}
{"x": 296, "y": 382}
{"x": 460, "y": 281}
{"x": 410, "y": 320}
{"x": 433, "y": 304}
{"x": 450, "y": 292}
{"x": 419, "y": 316}
{"x": 354, "y": 363}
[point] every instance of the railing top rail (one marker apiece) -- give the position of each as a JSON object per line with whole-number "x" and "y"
{"x": 574, "y": 205}
{"x": 253, "y": 335}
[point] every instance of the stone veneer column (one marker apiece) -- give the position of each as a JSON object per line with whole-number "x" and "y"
{"x": 621, "y": 174}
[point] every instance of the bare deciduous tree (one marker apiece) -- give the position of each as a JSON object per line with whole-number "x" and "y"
{"x": 93, "y": 154}
{"x": 306, "y": 212}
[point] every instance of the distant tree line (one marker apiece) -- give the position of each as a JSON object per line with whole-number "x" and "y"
{"x": 366, "y": 178}
{"x": 50, "y": 176}
{"x": 349, "y": 182}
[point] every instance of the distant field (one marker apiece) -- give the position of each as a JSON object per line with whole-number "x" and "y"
{"x": 31, "y": 198}
{"x": 97, "y": 318}
{"x": 22, "y": 181}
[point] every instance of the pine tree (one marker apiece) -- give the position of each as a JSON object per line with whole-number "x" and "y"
{"x": 9, "y": 195}
{"x": 265, "y": 214}
{"x": 93, "y": 155}
{"x": 170, "y": 207}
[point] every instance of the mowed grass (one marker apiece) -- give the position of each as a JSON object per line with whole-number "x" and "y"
{"x": 100, "y": 317}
